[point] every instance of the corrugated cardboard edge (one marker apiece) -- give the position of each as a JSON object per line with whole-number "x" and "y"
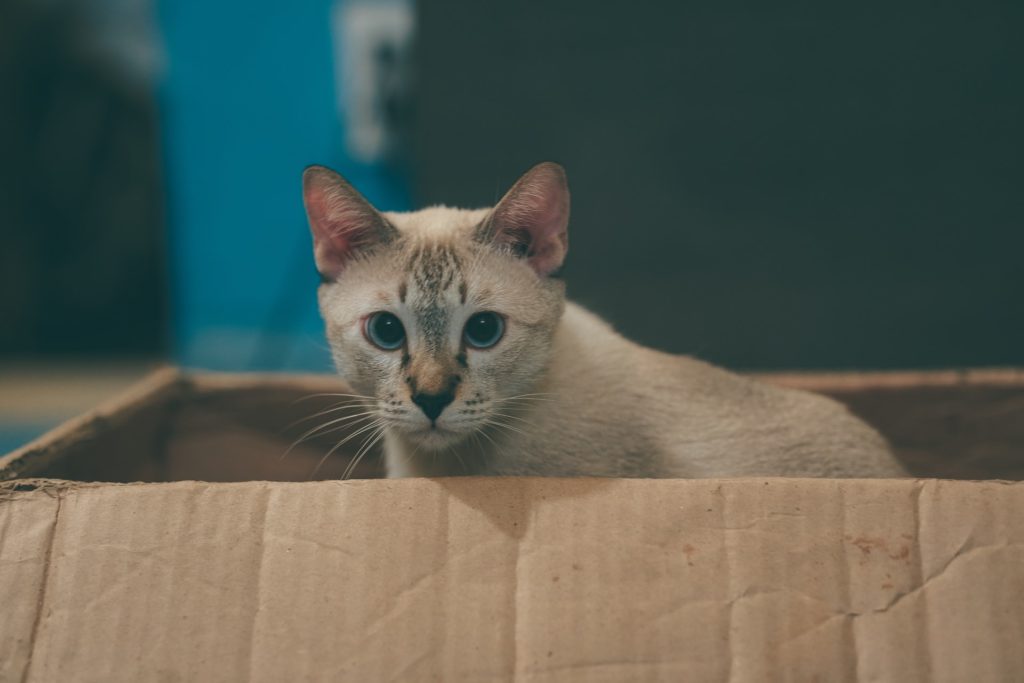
{"x": 56, "y": 487}
{"x": 220, "y": 381}
{"x": 161, "y": 385}
{"x": 838, "y": 382}
{"x": 166, "y": 385}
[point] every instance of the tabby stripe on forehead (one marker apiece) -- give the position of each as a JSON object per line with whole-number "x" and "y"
{"x": 454, "y": 267}
{"x": 434, "y": 326}
{"x": 434, "y": 269}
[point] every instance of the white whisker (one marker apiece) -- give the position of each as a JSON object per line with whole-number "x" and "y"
{"x": 483, "y": 432}
{"x": 346, "y": 425}
{"x": 367, "y": 445}
{"x": 333, "y": 409}
{"x": 351, "y": 436}
{"x": 503, "y": 425}
{"x": 513, "y": 417}
{"x": 525, "y": 398}
{"x": 312, "y": 396}
{"x": 320, "y": 430}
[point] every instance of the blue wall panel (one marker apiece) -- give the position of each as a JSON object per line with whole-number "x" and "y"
{"x": 248, "y": 99}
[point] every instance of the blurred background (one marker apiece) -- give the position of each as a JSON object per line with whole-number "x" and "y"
{"x": 797, "y": 186}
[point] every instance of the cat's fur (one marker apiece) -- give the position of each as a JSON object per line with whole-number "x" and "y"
{"x": 561, "y": 394}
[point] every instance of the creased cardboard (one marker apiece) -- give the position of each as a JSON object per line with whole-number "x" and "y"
{"x": 514, "y": 579}
{"x": 504, "y": 579}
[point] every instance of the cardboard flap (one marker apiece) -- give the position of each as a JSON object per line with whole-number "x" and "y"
{"x": 478, "y": 578}
{"x": 210, "y": 427}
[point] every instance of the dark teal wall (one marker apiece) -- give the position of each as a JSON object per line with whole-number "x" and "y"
{"x": 764, "y": 184}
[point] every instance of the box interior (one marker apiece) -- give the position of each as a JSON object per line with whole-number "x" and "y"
{"x": 959, "y": 425}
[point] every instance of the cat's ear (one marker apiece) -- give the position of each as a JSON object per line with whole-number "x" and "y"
{"x": 341, "y": 220}
{"x": 532, "y": 219}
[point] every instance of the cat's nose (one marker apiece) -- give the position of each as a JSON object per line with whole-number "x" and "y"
{"x": 433, "y": 405}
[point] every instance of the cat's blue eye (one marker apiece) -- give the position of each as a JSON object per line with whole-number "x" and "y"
{"x": 484, "y": 330}
{"x": 384, "y": 330}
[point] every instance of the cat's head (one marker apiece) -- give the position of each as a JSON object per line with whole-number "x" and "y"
{"x": 442, "y": 317}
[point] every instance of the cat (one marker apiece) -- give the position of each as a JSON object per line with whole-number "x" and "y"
{"x": 453, "y": 327}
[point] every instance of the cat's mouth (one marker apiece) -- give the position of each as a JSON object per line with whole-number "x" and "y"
{"x": 433, "y": 436}
{"x": 449, "y": 429}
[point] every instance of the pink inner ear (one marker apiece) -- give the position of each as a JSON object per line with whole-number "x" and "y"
{"x": 341, "y": 221}
{"x": 537, "y": 205}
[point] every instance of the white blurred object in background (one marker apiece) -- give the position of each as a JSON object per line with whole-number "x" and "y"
{"x": 372, "y": 51}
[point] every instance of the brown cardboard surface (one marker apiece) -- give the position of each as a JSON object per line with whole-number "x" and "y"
{"x": 504, "y": 579}
{"x": 513, "y": 579}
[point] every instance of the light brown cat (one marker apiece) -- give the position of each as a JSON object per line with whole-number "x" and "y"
{"x": 454, "y": 328}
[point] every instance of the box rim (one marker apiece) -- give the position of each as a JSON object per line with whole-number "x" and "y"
{"x": 176, "y": 383}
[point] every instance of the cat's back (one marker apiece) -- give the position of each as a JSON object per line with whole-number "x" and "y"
{"x": 704, "y": 421}
{"x": 729, "y": 425}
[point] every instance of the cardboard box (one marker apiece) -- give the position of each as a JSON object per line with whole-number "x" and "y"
{"x": 505, "y": 579}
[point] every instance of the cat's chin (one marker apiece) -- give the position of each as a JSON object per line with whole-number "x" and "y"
{"x": 434, "y": 438}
